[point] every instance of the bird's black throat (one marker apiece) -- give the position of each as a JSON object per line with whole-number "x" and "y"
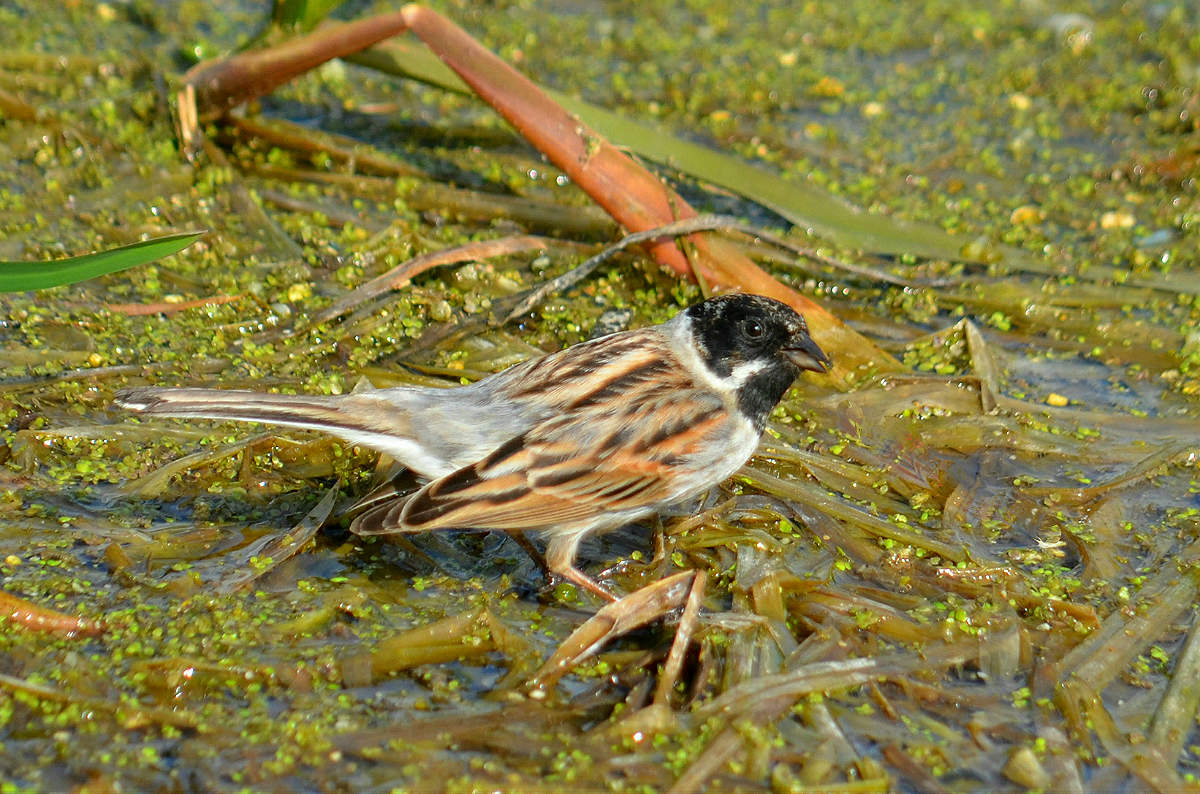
{"x": 763, "y": 390}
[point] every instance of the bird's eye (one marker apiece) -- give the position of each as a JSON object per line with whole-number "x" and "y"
{"x": 752, "y": 329}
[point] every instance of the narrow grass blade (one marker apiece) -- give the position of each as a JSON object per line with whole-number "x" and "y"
{"x": 25, "y": 276}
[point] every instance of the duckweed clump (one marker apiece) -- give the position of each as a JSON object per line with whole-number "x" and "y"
{"x": 988, "y": 557}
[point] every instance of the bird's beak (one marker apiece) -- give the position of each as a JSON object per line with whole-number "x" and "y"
{"x": 804, "y": 353}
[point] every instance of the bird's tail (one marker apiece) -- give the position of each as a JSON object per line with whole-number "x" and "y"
{"x": 297, "y": 410}
{"x": 359, "y": 419}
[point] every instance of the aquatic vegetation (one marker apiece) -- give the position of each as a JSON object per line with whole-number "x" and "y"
{"x": 974, "y": 570}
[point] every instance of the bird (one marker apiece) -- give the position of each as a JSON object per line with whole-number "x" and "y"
{"x": 586, "y": 439}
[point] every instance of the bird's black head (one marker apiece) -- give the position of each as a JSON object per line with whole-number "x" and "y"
{"x": 758, "y": 345}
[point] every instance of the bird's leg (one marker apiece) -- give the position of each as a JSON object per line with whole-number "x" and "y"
{"x": 527, "y": 545}
{"x": 660, "y": 542}
{"x": 560, "y": 559}
{"x": 573, "y": 574}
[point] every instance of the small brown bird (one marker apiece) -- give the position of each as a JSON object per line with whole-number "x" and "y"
{"x": 583, "y": 440}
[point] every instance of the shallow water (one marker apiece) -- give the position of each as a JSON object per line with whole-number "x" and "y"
{"x": 977, "y": 577}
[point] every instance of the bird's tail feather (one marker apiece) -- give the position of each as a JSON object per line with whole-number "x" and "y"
{"x": 382, "y": 424}
{"x": 299, "y": 410}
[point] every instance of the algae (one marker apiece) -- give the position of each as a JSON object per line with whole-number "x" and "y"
{"x": 976, "y": 576}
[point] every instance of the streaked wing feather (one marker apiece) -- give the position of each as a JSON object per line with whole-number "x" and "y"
{"x": 381, "y": 518}
{"x": 587, "y": 372}
{"x": 579, "y": 467}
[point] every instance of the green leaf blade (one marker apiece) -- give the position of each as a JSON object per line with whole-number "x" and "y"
{"x": 26, "y": 276}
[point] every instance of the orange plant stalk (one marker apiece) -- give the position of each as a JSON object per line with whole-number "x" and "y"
{"x": 633, "y": 196}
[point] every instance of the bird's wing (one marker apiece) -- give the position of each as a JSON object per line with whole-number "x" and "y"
{"x": 620, "y": 456}
{"x": 589, "y": 372}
